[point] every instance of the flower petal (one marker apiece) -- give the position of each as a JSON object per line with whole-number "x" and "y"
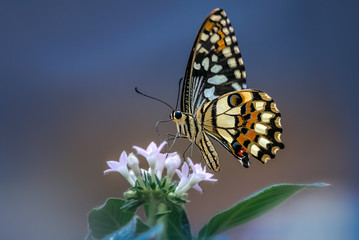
{"x": 141, "y": 151}
{"x": 113, "y": 164}
{"x": 198, "y": 188}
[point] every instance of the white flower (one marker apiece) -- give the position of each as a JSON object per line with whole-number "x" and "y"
{"x": 191, "y": 180}
{"x": 121, "y": 167}
{"x": 172, "y": 163}
{"x": 190, "y": 174}
{"x": 133, "y": 163}
{"x": 150, "y": 153}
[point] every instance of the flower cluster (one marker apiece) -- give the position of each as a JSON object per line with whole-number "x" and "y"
{"x": 128, "y": 166}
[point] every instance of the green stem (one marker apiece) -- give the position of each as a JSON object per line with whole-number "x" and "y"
{"x": 163, "y": 219}
{"x": 152, "y": 211}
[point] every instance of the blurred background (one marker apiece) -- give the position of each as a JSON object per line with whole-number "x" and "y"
{"x": 68, "y": 105}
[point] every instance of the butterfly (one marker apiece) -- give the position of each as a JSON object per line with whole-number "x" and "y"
{"x": 215, "y": 102}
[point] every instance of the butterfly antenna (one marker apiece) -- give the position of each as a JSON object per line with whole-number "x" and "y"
{"x": 153, "y": 98}
{"x": 178, "y": 93}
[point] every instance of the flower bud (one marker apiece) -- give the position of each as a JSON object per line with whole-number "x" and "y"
{"x": 133, "y": 163}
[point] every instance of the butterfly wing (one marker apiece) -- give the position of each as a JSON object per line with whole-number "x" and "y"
{"x": 215, "y": 66}
{"x": 245, "y": 121}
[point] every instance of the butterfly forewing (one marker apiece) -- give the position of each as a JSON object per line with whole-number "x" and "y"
{"x": 215, "y": 66}
{"x": 246, "y": 121}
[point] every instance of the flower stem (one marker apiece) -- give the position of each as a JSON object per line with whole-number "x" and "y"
{"x": 162, "y": 208}
{"x": 152, "y": 211}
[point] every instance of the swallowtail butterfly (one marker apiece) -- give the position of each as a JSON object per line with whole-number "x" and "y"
{"x": 216, "y": 103}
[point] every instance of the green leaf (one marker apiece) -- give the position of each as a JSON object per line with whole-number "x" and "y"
{"x": 251, "y": 207}
{"x": 108, "y": 218}
{"x": 177, "y": 225}
{"x": 151, "y": 233}
{"x": 127, "y": 232}
{"x": 131, "y": 230}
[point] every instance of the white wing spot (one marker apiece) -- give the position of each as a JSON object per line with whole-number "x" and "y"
{"x": 218, "y": 79}
{"x": 227, "y": 52}
{"x": 203, "y": 50}
{"x": 198, "y": 46}
{"x": 197, "y": 66}
{"x": 243, "y": 74}
{"x": 223, "y": 22}
{"x": 205, "y": 63}
{"x": 263, "y": 142}
{"x": 240, "y": 60}
{"x": 225, "y": 30}
{"x": 214, "y": 58}
{"x": 216, "y": 68}
{"x": 236, "y": 86}
{"x": 260, "y": 128}
{"x": 227, "y": 20}
{"x": 259, "y": 105}
{"x": 231, "y": 29}
{"x": 204, "y": 37}
{"x": 214, "y": 38}
{"x": 228, "y": 40}
{"x": 232, "y": 62}
{"x": 267, "y": 116}
{"x": 209, "y": 93}
{"x": 254, "y": 150}
{"x": 237, "y": 74}
{"x": 236, "y": 49}
{"x": 215, "y": 18}
{"x": 234, "y": 39}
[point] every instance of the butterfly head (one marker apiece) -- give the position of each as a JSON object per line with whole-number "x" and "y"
{"x": 176, "y": 115}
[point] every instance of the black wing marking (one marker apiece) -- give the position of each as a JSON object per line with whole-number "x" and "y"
{"x": 215, "y": 66}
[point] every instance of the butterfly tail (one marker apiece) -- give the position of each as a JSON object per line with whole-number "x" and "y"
{"x": 208, "y": 152}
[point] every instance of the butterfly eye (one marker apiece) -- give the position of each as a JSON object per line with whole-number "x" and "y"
{"x": 178, "y": 114}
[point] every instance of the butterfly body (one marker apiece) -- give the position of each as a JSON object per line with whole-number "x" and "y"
{"x": 215, "y": 102}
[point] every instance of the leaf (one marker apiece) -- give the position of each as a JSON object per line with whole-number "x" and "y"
{"x": 130, "y": 230}
{"x": 108, "y": 218}
{"x": 151, "y": 233}
{"x": 127, "y": 232}
{"x": 251, "y": 207}
{"x": 177, "y": 225}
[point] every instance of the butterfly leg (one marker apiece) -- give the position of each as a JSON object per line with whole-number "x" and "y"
{"x": 156, "y": 127}
{"x": 174, "y": 140}
{"x": 189, "y": 147}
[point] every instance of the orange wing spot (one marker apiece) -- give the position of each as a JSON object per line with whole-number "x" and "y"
{"x": 248, "y": 106}
{"x": 253, "y": 118}
{"x": 241, "y": 139}
{"x": 240, "y": 121}
{"x": 220, "y": 43}
{"x": 251, "y": 134}
{"x": 208, "y": 26}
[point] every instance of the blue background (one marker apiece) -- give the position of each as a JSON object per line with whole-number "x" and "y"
{"x": 67, "y": 105}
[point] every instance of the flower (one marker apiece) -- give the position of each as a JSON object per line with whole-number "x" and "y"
{"x": 189, "y": 176}
{"x": 150, "y": 153}
{"x": 172, "y": 163}
{"x": 121, "y": 167}
{"x": 191, "y": 180}
{"x": 134, "y": 164}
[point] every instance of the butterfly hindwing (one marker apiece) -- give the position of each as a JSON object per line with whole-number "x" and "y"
{"x": 215, "y": 66}
{"x": 245, "y": 121}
